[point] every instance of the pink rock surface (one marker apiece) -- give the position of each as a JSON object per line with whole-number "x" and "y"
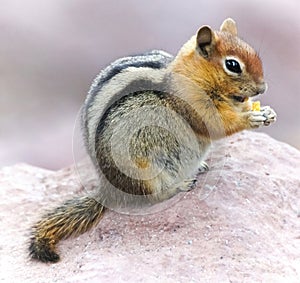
{"x": 241, "y": 224}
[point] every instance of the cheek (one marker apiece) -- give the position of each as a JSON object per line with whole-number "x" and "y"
{"x": 242, "y": 84}
{"x": 236, "y": 87}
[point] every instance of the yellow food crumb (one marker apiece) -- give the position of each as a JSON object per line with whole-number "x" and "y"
{"x": 256, "y": 106}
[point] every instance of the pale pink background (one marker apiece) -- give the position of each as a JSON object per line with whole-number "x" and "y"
{"x": 50, "y": 51}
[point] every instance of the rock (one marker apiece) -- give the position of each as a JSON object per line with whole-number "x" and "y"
{"x": 240, "y": 224}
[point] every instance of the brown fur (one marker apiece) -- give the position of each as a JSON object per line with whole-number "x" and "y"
{"x": 208, "y": 82}
{"x": 74, "y": 217}
{"x": 201, "y": 92}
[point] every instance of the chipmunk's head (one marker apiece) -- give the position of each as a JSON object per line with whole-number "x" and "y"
{"x": 221, "y": 64}
{"x": 234, "y": 66}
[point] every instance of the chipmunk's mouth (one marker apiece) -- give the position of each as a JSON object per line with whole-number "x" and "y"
{"x": 240, "y": 98}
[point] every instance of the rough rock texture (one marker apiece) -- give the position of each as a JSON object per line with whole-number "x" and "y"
{"x": 241, "y": 224}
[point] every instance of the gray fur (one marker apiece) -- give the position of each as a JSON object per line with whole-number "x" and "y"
{"x": 133, "y": 120}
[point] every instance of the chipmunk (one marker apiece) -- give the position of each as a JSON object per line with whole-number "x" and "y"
{"x": 148, "y": 122}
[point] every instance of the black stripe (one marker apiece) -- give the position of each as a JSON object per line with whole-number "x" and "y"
{"x": 155, "y": 59}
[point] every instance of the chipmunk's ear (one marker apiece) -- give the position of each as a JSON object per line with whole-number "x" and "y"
{"x": 205, "y": 41}
{"x": 229, "y": 25}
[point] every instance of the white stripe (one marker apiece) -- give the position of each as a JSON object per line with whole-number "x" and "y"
{"x": 108, "y": 92}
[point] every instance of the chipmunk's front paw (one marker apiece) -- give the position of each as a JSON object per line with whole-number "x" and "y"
{"x": 256, "y": 119}
{"x": 264, "y": 117}
{"x": 270, "y": 115}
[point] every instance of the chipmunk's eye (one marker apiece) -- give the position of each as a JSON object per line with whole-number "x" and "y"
{"x": 233, "y": 66}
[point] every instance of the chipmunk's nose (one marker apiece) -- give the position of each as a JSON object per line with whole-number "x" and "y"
{"x": 261, "y": 88}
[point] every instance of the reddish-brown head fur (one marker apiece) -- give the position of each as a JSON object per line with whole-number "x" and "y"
{"x": 216, "y": 72}
{"x": 203, "y": 60}
{"x": 230, "y": 45}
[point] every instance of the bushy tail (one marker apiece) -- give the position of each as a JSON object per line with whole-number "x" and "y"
{"x": 74, "y": 217}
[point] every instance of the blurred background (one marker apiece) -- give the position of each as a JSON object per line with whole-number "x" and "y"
{"x": 51, "y": 50}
